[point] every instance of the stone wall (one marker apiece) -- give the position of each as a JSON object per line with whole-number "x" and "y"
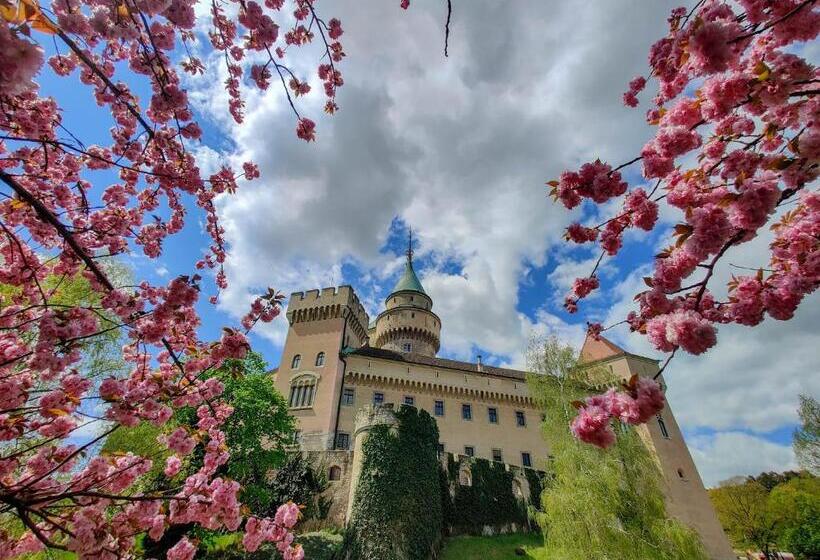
{"x": 338, "y": 491}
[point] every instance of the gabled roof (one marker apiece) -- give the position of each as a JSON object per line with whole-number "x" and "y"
{"x": 370, "y": 352}
{"x": 599, "y": 349}
{"x": 408, "y": 282}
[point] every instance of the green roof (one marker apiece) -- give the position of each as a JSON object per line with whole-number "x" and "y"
{"x": 409, "y": 282}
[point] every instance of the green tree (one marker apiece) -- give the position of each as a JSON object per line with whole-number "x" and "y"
{"x": 796, "y": 506}
{"x": 769, "y": 480}
{"x": 807, "y": 437}
{"x": 744, "y": 512}
{"x": 597, "y": 504}
{"x": 257, "y": 434}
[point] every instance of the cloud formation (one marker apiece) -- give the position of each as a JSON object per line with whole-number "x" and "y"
{"x": 459, "y": 149}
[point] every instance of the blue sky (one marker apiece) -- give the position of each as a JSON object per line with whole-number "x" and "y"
{"x": 459, "y": 149}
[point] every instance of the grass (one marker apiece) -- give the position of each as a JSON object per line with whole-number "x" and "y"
{"x": 500, "y": 547}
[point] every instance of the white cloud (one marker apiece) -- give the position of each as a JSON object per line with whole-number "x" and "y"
{"x": 727, "y": 454}
{"x": 459, "y": 149}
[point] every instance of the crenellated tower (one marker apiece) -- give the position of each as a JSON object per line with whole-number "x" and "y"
{"x": 408, "y": 323}
{"x": 321, "y": 324}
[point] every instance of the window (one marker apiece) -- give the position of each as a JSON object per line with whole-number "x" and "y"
{"x": 438, "y": 408}
{"x": 465, "y": 477}
{"x": 297, "y": 359}
{"x": 409, "y": 401}
{"x": 680, "y": 474}
{"x": 492, "y": 414}
{"x": 342, "y": 440}
{"x": 467, "y": 412}
{"x": 662, "y": 426}
{"x": 378, "y": 398}
{"x": 302, "y": 391}
{"x": 335, "y": 473}
{"x": 320, "y": 359}
{"x": 469, "y": 451}
{"x": 497, "y": 455}
{"x": 348, "y": 396}
{"x": 407, "y": 347}
{"x": 520, "y": 419}
{"x": 440, "y": 449}
{"x": 526, "y": 460}
{"x": 297, "y": 437}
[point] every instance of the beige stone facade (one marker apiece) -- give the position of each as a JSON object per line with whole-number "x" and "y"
{"x": 335, "y": 363}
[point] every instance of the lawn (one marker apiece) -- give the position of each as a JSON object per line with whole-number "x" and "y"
{"x": 501, "y": 547}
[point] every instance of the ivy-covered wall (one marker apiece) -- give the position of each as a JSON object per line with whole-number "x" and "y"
{"x": 485, "y": 501}
{"x": 397, "y": 513}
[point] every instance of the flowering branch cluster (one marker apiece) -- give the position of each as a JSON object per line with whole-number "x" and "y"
{"x": 733, "y": 91}
{"x": 57, "y": 223}
{"x": 640, "y": 400}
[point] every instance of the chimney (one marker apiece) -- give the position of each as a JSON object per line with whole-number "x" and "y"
{"x": 478, "y": 363}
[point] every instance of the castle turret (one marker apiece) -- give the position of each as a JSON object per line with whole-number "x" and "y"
{"x": 408, "y": 323}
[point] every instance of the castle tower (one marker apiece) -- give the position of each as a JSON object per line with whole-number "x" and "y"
{"x": 686, "y": 497}
{"x": 408, "y": 323}
{"x": 311, "y": 370}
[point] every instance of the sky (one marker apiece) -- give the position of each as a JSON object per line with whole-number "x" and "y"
{"x": 459, "y": 149}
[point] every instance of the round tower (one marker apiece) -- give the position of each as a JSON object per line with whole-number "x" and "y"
{"x": 408, "y": 323}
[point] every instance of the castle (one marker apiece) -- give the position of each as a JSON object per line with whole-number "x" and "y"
{"x": 337, "y": 363}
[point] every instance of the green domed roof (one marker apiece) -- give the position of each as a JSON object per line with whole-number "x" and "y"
{"x": 409, "y": 282}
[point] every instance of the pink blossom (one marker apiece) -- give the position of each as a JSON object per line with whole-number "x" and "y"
{"x": 306, "y": 130}
{"x": 689, "y": 330}
{"x": 20, "y": 60}
{"x": 710, "y": 230}
{"x": 649, "y": 398}
{"x": 582, "y": 287}
{"x": 172, "y": 466}
{"x": 592, "y": 425}
{"x": 710, "y": 48}
{"x": 581, "y": 234}
{"x": 643, "y": 211}
{"x": 183, "y": 550}
{"x": 635, "y": 87}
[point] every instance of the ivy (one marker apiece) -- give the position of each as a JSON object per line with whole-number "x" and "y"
{"x": 488, "y": 501}
{"x": 397, "y": 509}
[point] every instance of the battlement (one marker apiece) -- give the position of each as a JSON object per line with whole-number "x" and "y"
{"x": 327, "y": 303}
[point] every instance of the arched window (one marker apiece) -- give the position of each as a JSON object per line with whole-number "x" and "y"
{"x": 297, "y": 359}
{"x": 320, "y": 359}
{"x": 302, "y": 392}
{"x": 335, "y": 473}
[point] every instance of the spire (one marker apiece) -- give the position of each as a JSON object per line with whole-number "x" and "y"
{"x": 410, "y": 246}
{"x": 409, "y": 282}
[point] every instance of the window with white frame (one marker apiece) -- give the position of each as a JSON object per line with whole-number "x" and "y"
{"x": 320, "y": 359}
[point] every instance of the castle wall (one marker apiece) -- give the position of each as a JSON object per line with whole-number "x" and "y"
{"x": 333, "y": 319}
{"x": 427, "y": 384}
